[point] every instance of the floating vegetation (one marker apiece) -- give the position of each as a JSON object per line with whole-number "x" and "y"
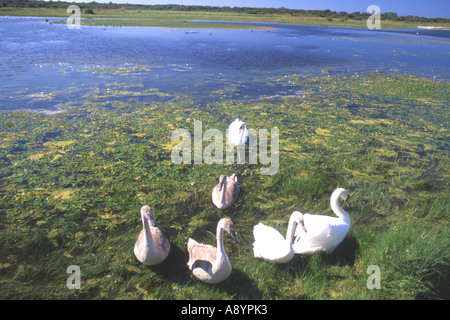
{"x": 72, "y": 185}
{"x": 123, "y": 70}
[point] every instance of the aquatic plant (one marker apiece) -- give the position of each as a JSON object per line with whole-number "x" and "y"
{"x": 72, "y": 184}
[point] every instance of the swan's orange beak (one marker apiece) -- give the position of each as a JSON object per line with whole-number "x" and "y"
{"x": 303, "y": 225}
{"x": 346, "y": 200}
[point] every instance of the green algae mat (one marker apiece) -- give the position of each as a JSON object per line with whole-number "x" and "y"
{"x": 72, "y": 185}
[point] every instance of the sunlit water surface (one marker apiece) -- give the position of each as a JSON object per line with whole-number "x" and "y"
{"x": 48, "y": 67}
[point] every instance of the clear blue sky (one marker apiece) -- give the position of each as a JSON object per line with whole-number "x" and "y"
{"x": 428, "y": 8}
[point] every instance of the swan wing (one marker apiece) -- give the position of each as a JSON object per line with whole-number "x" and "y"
{"x": 265, "y": 234}
{"x": 154, "y": 252}
{"x": 232, "y": 191}
{"x": 162, "y": 244}
{"x": 140, "y": 248}
{"x": 270, "y": 245}
{"x": 237, "y": 132}
{"x": 201, "y": 261}
{"x": 215, "y": 196}
{"x": 231, "y": 194}
{"x": 200, "y": 252}
{"x": 324, "y": 233}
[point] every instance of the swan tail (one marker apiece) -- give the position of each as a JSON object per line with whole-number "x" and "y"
{"x": 256, "y": 253}
{"x": 191, "y": 244}
{"x": 258, "y": 234}
{"x": 256, "y": 250}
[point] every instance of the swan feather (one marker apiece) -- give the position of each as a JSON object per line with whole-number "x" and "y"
{"x": 323, "y": 233}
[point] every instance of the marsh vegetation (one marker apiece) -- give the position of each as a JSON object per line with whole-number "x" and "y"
{"x": 72, "y": 185}
{"x": 85, "y": 142}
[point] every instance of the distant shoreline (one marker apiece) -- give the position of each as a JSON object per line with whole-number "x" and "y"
{"x": 180, "y": 19}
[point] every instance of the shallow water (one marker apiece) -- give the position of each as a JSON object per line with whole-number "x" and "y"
{"x": 47, "y": 67}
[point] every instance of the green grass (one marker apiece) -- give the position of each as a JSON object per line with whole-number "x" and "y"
{"x": 72, "y": 185}
{"x": 151, "y": 15}
{"x": 160, "y": 23}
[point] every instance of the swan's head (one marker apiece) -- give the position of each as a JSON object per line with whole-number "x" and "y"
{"x": 298, "y": 218}
{"x": 228, "y": 226}
{"x": 237, "y": 132}
{"x": 243, "y": 133}
{"x": 146, "y": 213}
{"x": 242, "y": 127}
{"x": 343, "y": 194}
{"x": 346, "y": 199}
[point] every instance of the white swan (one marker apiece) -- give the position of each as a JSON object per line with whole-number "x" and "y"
{"x": 151, "y": 247}
{"x": 323, "y": 233}
{"x": 238, "y": 133}
{"x": 208, "y": 263}
{"x": 270, "y": 245}
{"x": 225, "y": 192}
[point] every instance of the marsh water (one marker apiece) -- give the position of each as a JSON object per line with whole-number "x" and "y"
{"x": 48, "y": 67}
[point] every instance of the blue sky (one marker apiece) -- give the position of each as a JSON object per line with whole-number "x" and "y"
{"x": 429, "y": 8}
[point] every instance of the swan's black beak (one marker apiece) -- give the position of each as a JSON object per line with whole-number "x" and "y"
{"x": 234, "y": 236}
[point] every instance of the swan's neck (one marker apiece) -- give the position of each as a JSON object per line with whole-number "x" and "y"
{"x": 147, "y": 235}
{"x": 222, "y": 192}
{"x": 341, "y": 213}
{"x": 221, "y": 255}
{"x": 290, "y": 231}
